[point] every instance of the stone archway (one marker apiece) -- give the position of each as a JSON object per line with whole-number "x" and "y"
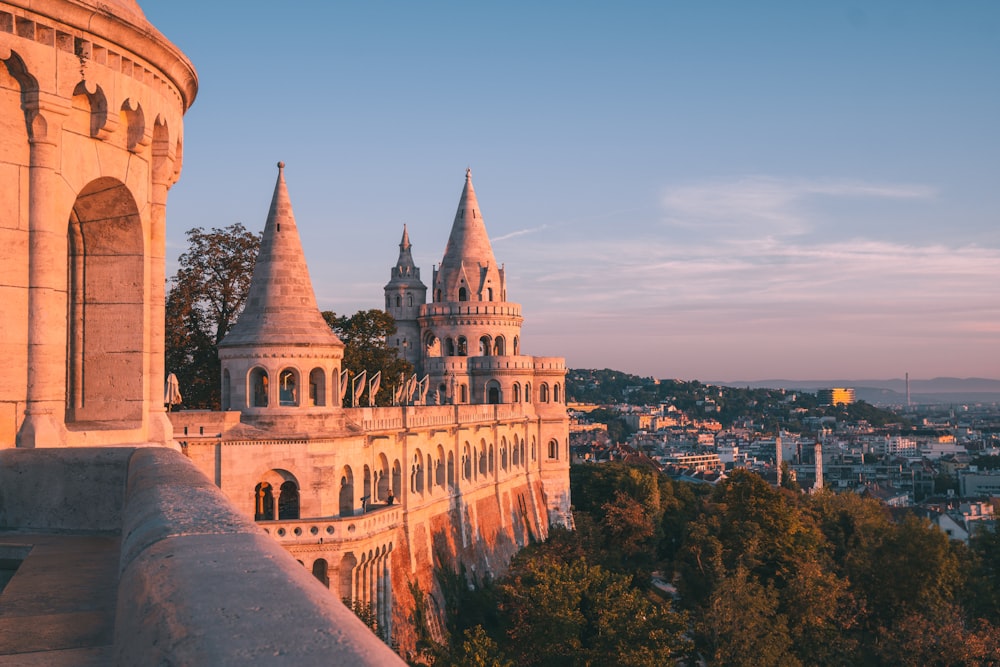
{"x": 106, "y": 307}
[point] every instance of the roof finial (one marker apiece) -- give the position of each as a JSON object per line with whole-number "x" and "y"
{"x": 281, "y": 165}
{"x": 468, "y": 173}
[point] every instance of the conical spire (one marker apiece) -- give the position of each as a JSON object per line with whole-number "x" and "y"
{"x": 281, "y": 306}
{"x": 468, "y": 243}
{"x": 405, "y": 260}
{"x": 468, "y": 267}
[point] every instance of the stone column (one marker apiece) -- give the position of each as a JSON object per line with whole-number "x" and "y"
{"x": 160, "y": 428}
{"x": 45, "y": 410}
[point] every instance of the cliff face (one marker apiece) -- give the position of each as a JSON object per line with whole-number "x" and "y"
{"x": 472, "y": 540}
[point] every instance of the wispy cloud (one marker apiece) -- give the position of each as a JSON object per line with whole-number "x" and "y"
{"x": 520, "y": 232}
{"x": 763, "y": 205}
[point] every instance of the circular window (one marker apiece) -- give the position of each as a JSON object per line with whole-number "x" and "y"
{"x": 281, "y": 532}
{"x": 329, "y": 530}
{"x": 314, "y": 530}
{"x": 298, "y": 531}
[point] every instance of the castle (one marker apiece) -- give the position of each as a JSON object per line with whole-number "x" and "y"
{"x": 467, "y": 467}
{"x": 370, "y": 498}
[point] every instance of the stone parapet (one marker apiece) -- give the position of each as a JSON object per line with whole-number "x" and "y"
{"x": 335, "y": 529}
{"x": 199, "y": 584}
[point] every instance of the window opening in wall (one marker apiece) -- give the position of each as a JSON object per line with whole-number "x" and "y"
{"x": 555, "y": 393}
{"x": 288, "y": 501}
{"x": 463, "y": 347}
{"x": 464, "y": 394}
{"x": 288, "y": 390}
{"x": 258, "y": 387}
{"x": 399, "y": 301}
{"x": 449, "y": 345}
{"x": 264, "y": 510}
{"x": 463, "y": 295}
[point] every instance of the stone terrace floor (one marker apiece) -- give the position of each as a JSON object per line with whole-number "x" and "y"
{"x": 58, "y": 609}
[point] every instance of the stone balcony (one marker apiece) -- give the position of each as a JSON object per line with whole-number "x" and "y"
{"x": 129, "y": 556}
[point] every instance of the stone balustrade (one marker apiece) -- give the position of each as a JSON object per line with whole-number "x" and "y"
{"x": 331, "y": 530}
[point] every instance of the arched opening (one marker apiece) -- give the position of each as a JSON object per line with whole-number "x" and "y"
{"x": 463, "y": 347}
{"x": 288, "y": 501}
{"x": 499, "y": 346}
{"x": 449, "y": 345}
{"x": 105, "y": 333}
{"x": 534, "y": 456}
{"x": 321, "y": 571}
{"x": 382, "y": 493}
{"x": 515, "y": 455}
{"x": 493, "y": 395}
{"x": 491, "y": 468}
{"x": 489, "y": 293}
{"x": 555, "y": 393}
{"x": 463, "y": 294}
{"x": 485, "y": 346}
{"x": 432, "y": 346}
{"x": 317, "y": 387}
{"x": 503, "y": 453}
{"x": 451, "y": 469}
{"x": 463, "y": 394}
{"x": 553, "y": 449}
{"x": 416, "y": 473}
{"x": 399, "y": 301}
{"x": 347, "y": 492}
{"x": 347, "y": 565}
{"x": 258, "y": 388}
{"x": 409, "y": 299}
{"x": 527, "y": 392}
{"x": 482, "y": 457}
{"x": 264, "y": 510}
{"x": 90, "y": 111}
{"x": 543, "y": 393}
{"x": 517, "y": 346}
{"x": 366, "y": 487}
{"x": 288, "y": 387}
{"x": 517, "y": 392}
{"x": 439, "y": 470}
{"x": 135, "y": 123}
{"x": 397, "y": 478}
{"x": 466, "y": 462}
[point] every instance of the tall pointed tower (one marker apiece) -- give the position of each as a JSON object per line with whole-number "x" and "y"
{"x": 280, "y": 357}
{"x": 404, "y": 294}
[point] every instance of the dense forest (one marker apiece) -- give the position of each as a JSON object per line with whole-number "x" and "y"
{"x": 665, "y": 573}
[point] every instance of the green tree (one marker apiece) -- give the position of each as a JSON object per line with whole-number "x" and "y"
{"x": 365, "y": 349}
{"x": 206, "y": 297}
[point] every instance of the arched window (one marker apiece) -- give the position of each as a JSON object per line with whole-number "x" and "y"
{"x": 489, "y": 293}
{"x": 463, "y": 294}
{"x": 399, "y": 301}
{"x": 484, "y": 346}
{"x": 397, "y": 478}
{"x": 527, "y": 392}
{"x": 555, "y": 393}
{"x": 258, "y": 388}
{"x": 482, "y": 457}
{"x": 317, "y": 387}
{"x": 347, "y": 492}
{"x": 503, "y": 453}
{"x": 466, "y": 462}
{"x": 439, "y": 467}
{"x": 437, "y": 295}
{"x": 493, "y": 395}
{"x": 321, "y": 571}
{"x": 417, "y": 473}
{"x": 449, "y": 346}
{"x": 491, "y": 458}
{"x": 517, "y": 346}
{"x": 463, "y": 347}
{"x": 288, "y": 501}
{"x": 517, "y": 393}
{"x": 264, "y": 510}
{"x": 515, "y": 454}
{"x": 451, "y": 469}
{"x": 366, "y": 485}
{"x": 288, "y": 387}
{"x": 543, "y": 393}
{"x": 432, "y": 346}
{"x": 409, "y": 299}
{"x": 463, "y": 394}
{"x": 553, "y": 449}
{"x": 499, "y": 346}
{"x": 382, "y": 485}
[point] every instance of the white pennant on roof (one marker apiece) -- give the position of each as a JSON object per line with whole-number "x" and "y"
{"x": 358, "y": 388}
{"x": 373, "y": 386}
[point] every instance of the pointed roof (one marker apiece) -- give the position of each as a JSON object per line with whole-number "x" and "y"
{"x": 281, "y": 306}
{"x": 468, "y": 244}
{"x": 405, "y": 256}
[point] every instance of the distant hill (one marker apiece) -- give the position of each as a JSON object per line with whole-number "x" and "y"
{"x": 942, "y": 390}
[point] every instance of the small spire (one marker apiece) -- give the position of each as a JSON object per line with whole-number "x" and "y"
{"x": 404, "y": 244}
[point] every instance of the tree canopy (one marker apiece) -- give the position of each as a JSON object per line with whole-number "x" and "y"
{"x": 205, "y": 298}
{"x": 365, "y": 349}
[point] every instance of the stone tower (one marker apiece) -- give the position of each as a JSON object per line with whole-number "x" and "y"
{"x": 280, "y": 358}
{"x": 92, "y": 99}
{"x": 404, "y": 295}
{"x": 469, "y": 325}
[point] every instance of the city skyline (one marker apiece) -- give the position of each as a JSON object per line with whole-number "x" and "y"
{"x": 766, "y": 191}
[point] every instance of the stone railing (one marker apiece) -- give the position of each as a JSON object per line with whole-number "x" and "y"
{"x": 334, "y": 529}
{"x": 192, "y": 570}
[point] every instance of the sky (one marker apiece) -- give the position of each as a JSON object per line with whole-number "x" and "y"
{"x": 712, "y": 190}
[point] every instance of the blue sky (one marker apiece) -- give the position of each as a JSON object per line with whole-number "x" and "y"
{"x": 699, "y": 190}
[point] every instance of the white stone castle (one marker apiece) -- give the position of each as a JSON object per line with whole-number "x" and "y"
{"x": 470, "y": 465}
